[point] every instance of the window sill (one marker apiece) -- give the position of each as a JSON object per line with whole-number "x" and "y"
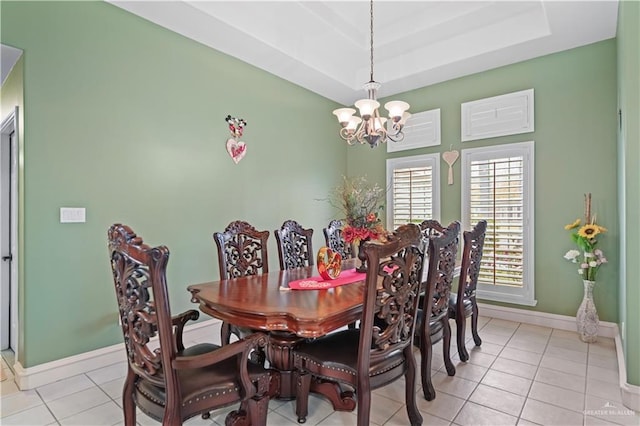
{"x": 505, "y": 298}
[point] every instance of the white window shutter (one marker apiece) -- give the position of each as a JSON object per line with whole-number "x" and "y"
{"x": 508, "y": 114}
{"x": 421, "y": 130}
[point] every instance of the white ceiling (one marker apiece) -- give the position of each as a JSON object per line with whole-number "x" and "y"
{"x": 324, "y": 45}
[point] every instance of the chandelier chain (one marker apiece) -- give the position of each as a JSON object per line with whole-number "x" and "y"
{"x": 371, "y": 39}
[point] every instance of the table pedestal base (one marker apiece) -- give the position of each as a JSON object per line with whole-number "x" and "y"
{"x": 280, "y": 356}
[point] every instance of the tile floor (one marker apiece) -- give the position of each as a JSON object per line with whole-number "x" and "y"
{"x": 521, "y": 375}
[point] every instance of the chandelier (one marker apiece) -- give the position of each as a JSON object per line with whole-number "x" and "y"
{"x": 370, "y": 127}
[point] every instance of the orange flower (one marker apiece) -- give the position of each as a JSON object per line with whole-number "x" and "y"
{"x": 371, "y": 217}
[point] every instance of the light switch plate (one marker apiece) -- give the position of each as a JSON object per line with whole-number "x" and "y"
{"x": 72, "y": 215}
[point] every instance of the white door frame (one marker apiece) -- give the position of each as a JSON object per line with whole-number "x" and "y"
{"x": 9, "y": 146}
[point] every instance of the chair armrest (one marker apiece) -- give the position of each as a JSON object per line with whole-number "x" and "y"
{"x": 179, "y": 321}
{"x": 240, "y": 349}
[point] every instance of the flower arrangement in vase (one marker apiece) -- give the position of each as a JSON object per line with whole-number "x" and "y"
{"x": 361, "y": 203}
{"x": 590, "y": 259}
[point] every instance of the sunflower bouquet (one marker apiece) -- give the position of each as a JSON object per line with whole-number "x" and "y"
{"x": 584, "y": 235}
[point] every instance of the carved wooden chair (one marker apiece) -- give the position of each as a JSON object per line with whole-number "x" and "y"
{"x": 242, "y": 251}
{"x": 380, "y": 351}
{"x": 172, "y": 383}
{"x": 463, "y": 303}
{"x": 294, "y": 245}
{"x": 433, "y": 319}
{"x": 334, "y": 240}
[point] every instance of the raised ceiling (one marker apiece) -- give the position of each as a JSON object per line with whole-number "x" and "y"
{"x": 324, "y": 45}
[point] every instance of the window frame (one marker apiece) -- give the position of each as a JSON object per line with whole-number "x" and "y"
{"x": 423, "y": 160}
{"x": 526, "y": 294}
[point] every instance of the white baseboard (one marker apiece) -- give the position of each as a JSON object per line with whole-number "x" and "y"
{"x": 561, "y": 322}
{"x": 630, "y": 393}
{"x": 43, "y": 374}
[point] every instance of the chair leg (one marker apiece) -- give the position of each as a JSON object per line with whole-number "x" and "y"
{"x": 225, "y": 333}
{"x": 128, "y": 406}
{"x": 446, "y": 346}
{"x": 460, "y": 338}
{"x": 425, "y": 369}
{"x": 474, "y": 323}
{"x": 303, "y": 385}
{"x": 257, "y": 409}
{"x": 410, "y": 388}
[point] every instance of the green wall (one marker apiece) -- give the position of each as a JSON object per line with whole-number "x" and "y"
{"x": 126, "y": 119}
{"x": 575, "y": 153}
{"x": 629, "y": 176}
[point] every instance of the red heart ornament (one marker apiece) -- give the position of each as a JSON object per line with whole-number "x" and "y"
{"x": 236, "y": 149}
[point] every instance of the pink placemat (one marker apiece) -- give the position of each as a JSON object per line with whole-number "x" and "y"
{"x": 347, "y": 276}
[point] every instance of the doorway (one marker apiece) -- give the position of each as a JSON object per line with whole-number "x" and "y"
{"x": 9, "y": 236}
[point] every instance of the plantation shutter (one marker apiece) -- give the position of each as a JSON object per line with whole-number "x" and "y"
{"x": 413, "y": 199}
{"x": 497, "y": 195}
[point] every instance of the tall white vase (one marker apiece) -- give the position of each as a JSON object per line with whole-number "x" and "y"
{"x": 587, "y": 317}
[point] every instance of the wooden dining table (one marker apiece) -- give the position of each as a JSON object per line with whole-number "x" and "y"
{"x": 265, "y": 302}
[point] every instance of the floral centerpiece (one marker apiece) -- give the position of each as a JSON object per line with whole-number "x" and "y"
{"x": 585, "y": 235}
{"x": 361, "y": 203}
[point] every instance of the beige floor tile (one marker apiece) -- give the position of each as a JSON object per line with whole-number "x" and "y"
{"x": 77, "y": 402}
{"x": 468, "y": 371}
{"x": 507, "y": 382}
{"x": 498, "y": 399}
{"x": 563, "y": 380}
{"x": 606, "y": 390}
{"x": 526, "y": 344}
{"x": 39, "y": 415}
{"x": 516, "y": 368}
{"x": 109, "y": 373}
{"x": 401, "y": 419}
{"x": 560, "y": 397}
{"x": 453, "y": 385}
{"x": 481, "y": 359}
{"x": 571, "y": 343}
{"x": 563, "y": 365}
{"x": 8, "y": 387}
{"x": 475, "y": 415}
{"x": 547, "y": 414}
{"x": 486, "y": 348}
{"x": 527, "y": 357}
{"x": 342, "y": 418}
{"x": 275, "y": 419}
{"x": 65, "y": 387}
{"x": 19, "y": 401}
{"x": 609, "y": 362}
{"x": 534, "y": 329}
{"x": 568, "y": 354}
{"x": 444, "y": 406}
{"x": 602, "y": 374}
{"x": 382, "y": 408}
{"x": 318, "y": 409}
{"x": 106, "y": 414}
{"x": 496, "y": 339}
{"x": 610, "y": 411}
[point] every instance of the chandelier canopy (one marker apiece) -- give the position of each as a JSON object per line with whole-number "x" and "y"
{"x": 370, "y": 127}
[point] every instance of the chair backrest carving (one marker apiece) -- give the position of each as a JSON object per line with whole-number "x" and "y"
{"x": 431, "y": 228}
{"x": 294, "y": 245}
{"x": 391, "y": 295}
{"x": 471, "y": 257}
{"x": 242, "y": 250}
{"x": 334, "y": 240}
{"x": 442, "y": 254}
{"x": 139, "y": 275}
